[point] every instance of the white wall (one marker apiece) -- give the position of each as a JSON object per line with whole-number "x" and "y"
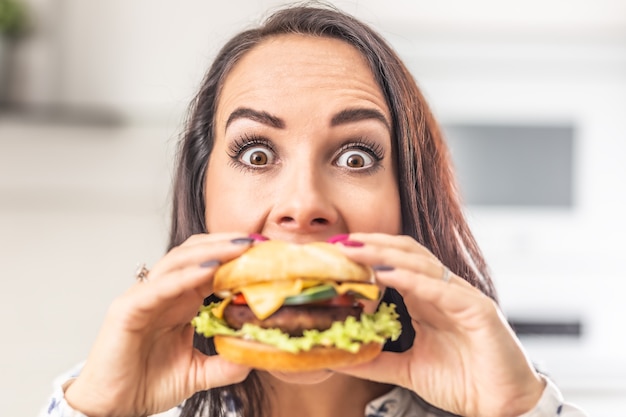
{"x": 81, "y": 205}
{"x": 142, "y": 55}
{"x": 79, "y": 208}
{"x": 561, "y": 263}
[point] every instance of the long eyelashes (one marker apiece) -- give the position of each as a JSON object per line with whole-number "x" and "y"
{"x": 240, "y": 145}
{"x": 374, "y": 149}
{"x": 251, "y": 145}
{"x": 366, "y": 153}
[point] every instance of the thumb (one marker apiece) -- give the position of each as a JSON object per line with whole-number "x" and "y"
{"x": 213, "y": 371}
{"x": 388, "y": 368}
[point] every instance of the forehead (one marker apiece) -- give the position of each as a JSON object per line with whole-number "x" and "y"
{"x": 283, "y": 69}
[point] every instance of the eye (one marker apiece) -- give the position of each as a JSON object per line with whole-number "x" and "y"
{"x": 252, "y": 152}
{"x": 257, "y": 156}
{"x": 355, "y": 159}
{"x": 361, "y": 155}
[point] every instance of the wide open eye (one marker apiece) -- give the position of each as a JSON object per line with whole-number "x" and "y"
{"x": 257, "y": 156}
{"x": 355, "y": 159}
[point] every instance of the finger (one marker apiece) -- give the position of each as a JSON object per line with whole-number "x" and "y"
{"x": 388, "y": 368}
{"x": 394, "y": 251}
{"x": 180, "y": 291}
{"x": 201, "y": 238}
{"x": 193, "y": 279}
{"x": 441, "y": 304}
{"x": 401, "y": 242}
{"x": 213, "y": 371}
{"x": 418, "y": 276}
{"x": 424, "y": 287}
{"x": 196, "y": 250}
{"x": 172, "y": 304}
{"x": 399, "y": 252}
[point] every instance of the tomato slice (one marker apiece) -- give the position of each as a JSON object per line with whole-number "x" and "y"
{"x": 239, "y": 299}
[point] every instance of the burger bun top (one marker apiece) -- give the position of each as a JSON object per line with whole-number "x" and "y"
{"x": 275, "y": 260}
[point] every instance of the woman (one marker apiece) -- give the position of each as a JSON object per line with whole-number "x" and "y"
{"x": 307, "y": 128}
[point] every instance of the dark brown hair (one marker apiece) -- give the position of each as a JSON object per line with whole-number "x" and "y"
{"x": 430, "y": 206}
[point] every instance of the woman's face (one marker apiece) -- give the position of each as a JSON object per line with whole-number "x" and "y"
{"x": 302, "y": 149}
{"x": 302, "y": 145}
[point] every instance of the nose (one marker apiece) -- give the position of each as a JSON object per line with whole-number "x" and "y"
{"x": 304, "y": 203}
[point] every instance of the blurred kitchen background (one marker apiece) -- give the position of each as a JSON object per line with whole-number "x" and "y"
{"x": 531, "y": 94}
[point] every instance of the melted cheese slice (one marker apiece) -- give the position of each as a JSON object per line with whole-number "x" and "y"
{"x": 308, "y": 283}
{"x": 264, "y": 299}
{"x": 369, "y": 291}
{"x": 218, "y": 311}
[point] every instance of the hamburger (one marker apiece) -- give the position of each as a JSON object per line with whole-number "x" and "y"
{"x": 291, "y": 307}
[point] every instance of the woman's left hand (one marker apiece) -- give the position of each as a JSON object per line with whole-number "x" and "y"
{"x": 465, "y": 358}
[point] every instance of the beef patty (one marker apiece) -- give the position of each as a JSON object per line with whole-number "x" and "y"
{"x": 292, "y": 319}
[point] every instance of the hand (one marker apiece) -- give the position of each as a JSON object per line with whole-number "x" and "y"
{"x": 143, "y": 361}
{"x": 465, "y": 358}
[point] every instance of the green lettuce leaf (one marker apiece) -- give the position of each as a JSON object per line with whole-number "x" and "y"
{"x": 347, "y": 335}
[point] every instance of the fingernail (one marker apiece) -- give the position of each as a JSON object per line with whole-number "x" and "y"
{"x": 382, "y": 268}
{"x": 242, "y": 241}
{"x": 210, "y": 263}
{"x": 338, "y": 238}
{"x": 258, "y": 237}
{"x": 351, "y": 243}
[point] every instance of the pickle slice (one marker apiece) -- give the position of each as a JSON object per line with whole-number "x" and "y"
{"x": 313, "y": 294}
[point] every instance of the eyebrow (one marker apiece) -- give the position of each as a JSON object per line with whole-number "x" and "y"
{"x": 358, "y": 114}
{"x": 343, "y": 117}
{"x": 257, "y": 116}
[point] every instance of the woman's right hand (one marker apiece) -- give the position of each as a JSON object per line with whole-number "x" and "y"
{"x": 143, "y": 361}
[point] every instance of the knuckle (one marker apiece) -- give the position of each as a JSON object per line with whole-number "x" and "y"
{"x": 195, "y": 238}
{"x": 407, "y": 240}
{"x": 488, "y": 306}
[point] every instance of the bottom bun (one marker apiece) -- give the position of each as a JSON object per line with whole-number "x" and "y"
{"x": 260, "y": 356}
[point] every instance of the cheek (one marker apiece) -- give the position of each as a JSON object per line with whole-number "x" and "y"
{"x": 230, "y": 207}
{"x": 375, "y": 209}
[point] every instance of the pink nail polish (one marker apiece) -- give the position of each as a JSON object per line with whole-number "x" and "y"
{"x": 338, "y": 238}
{"x": 258, "y": 237}
{"x": 351, "y": 243}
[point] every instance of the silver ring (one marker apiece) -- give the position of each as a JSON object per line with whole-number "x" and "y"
{"x": 141, "y": 274}
{"x": 445, "y": 277}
